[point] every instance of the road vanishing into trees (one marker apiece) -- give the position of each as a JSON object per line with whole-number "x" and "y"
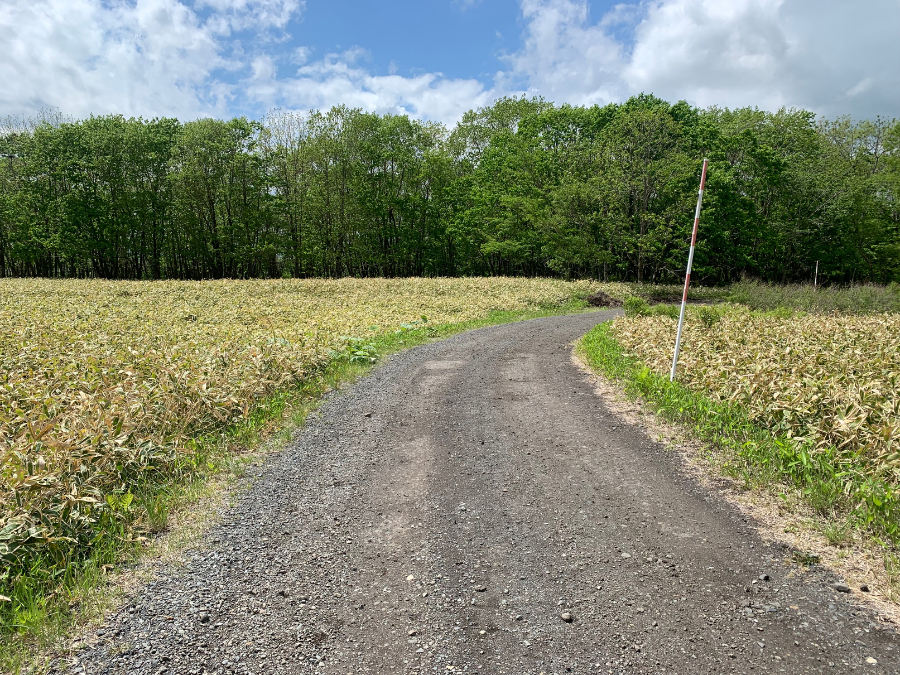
{"x": 473, "y": 507}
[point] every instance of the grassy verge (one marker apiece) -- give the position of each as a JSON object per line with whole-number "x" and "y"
{"x": 862, "y": 299}
{"x": 48, "y": 604}
{"x": 846, "y": 496}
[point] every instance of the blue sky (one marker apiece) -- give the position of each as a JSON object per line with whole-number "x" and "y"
{"x": 437, "y": 59}
{"x": 461, "y": 40}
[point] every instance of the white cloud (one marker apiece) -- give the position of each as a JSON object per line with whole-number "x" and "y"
{"x": 165, "y": 57}
{"x": 564, "y": 58}
{"x": 146, "y": 57}
{"x": 242, "y": 14}
{"x": 830, "y": 56}
{"x": 188, "y": 58}
{"x": 339, "y": 79}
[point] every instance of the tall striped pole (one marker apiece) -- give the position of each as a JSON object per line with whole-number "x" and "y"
{"x": 687, "y": 277}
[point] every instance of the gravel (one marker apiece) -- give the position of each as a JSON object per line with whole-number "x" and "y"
{"x": 472, "y": 507}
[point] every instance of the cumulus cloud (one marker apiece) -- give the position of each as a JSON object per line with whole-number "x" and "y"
{"x": 830, "y": 56}
{"x": 189, "y": 58}
{"x": 564, "y": 58}
{"x": 147, "y": 57}
{"x": 342, "y": 78}
{"x": 822, "y": 55}
{"x": 240, "y": 14}
{"x": 169, "y": 57}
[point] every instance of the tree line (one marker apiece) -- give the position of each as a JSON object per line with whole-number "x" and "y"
{"x": 522, "y": 187}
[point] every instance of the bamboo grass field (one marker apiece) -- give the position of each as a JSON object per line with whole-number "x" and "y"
{"x": 104, "y": 385}
{"x": 823, "y": 385}
{"x": 828, "y": 380}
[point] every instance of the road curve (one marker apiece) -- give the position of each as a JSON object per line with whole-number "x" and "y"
{"x": 472, "y": 507}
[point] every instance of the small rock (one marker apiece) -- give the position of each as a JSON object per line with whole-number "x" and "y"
{"x": 411, "y": 577}
{"x": 841, "y": 588}
{"x": 763, "y": 577}
{"x": 871, "y": 661}
{"x": 411, "y": 632}
{"x": 864, "y": 588}
{"x": 626, "y": 555}
{"x": 519, "y": 617}
{"x": 567, "y": 617}
{"x": 480, "y": 589}
{"x": 204, "y": 618}
{"x": 368, "y": 414}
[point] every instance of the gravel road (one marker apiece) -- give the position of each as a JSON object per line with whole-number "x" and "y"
{"x": 472, "y": 507}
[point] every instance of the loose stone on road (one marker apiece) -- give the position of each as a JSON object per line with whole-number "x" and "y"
{"x": 472, "y": 507}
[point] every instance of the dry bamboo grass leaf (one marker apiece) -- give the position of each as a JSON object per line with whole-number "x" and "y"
{"x": 826, "y": 380}
{"x": 103, "y": 384}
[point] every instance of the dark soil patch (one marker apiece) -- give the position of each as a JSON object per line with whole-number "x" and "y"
{"x": 601, "y": 299}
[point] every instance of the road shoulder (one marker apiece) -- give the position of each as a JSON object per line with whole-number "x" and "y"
{"x": 779, "y": 517}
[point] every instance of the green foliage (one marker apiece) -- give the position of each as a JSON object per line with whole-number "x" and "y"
{"x": 708, "y": 316}
{"x": 638, "y": 306}
{"x": 837, "y": 533}
{"x": 356, "y": 350}
{"x": 635, "y": 306}
{"x": 860, "y": 299}
{"x": 671, "y": 311}
{"x": 806, "y": 558}
{"x": 521, "y": 187}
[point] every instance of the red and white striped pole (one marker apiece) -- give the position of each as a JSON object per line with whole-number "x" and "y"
{"x": 687, "y": 277}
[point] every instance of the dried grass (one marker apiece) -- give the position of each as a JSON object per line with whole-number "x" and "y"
{"x": 826, "y": 381}
{"x": 105, "y": 385}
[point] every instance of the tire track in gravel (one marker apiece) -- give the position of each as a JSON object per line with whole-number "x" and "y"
{"x": 445, "y": 513}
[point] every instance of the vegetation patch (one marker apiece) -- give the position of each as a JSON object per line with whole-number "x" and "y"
{"x": 808, "y": 401}
{"x": 860, "y": 299}
{"x": 113, "y": 394}
{"x": 519, "y": 187}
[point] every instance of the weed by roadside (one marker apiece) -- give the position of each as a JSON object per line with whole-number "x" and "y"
{"x": 862, "y": 299}
{"x": 637, "y": 306}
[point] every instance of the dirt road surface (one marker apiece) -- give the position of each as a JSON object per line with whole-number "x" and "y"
{"x": 472, "y": 507}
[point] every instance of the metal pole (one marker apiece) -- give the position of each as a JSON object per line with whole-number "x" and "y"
{"x": 687, "y": 276}
{"x": 816, "y": 278}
